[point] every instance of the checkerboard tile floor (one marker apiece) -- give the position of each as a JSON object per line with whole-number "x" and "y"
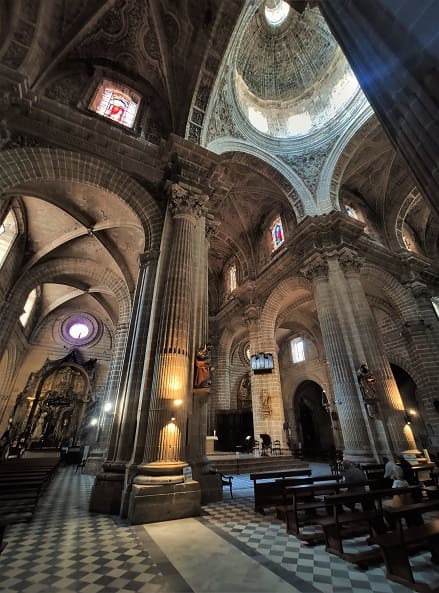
{"x": 66, "y": 549}
{"x": 236, "y": 520}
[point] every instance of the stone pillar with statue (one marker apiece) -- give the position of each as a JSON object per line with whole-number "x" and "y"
{"x": 161, "y": 486}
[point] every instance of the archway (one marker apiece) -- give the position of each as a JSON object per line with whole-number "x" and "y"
{"x": 314, "y": 427}
{"x": 407, "y": 389}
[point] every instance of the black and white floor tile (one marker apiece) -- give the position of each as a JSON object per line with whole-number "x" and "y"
{"x": 66, "y": 549}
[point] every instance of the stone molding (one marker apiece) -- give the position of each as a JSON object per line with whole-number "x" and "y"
{"x": 315, "y": 268}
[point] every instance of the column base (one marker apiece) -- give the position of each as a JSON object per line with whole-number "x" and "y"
{"x": 164, "y": 502}
{"x": 94, "y": 462}
{"x": 106, "y": 494}
{"x": 210, "y": 482}
{"x": 360, "y": 456}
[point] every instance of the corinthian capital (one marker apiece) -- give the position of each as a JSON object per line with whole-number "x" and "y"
{"x": 184, "y": 200}
{"x": 316, "y": 267}
{"x": 251, "y": 314}
{"x": 349, "y": 260}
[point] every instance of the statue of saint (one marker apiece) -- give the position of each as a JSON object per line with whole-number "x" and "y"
{"x": 368, "y": 390}
{"x": 202, "y": 366}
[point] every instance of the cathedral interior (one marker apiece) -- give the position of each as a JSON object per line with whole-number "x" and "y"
{"x": 219, "y": 219}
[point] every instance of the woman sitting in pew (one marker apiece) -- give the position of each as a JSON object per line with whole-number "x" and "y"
{"x": 351, "y": 473}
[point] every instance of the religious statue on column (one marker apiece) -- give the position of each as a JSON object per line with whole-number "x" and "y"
{"x": 368, "y": 390}
{"x": 202, "y": 367}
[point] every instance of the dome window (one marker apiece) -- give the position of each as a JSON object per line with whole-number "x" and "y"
{"x": 276, "y": 11}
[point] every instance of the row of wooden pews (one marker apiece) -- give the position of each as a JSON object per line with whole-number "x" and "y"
{"x": 21, "y": 483}
{"x": 337, "y": 511}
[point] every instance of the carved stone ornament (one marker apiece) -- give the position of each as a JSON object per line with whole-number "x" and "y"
{"x": 315, "y": 268}
{"x": 184, "y": 201}
{"x": 349, "y": 260}
{"x": 251, "y": 314}
{"x": 148, "y": 256}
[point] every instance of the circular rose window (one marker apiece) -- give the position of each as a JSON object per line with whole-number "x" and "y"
{"x": 79, "y": 329}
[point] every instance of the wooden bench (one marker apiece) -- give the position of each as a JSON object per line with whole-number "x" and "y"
{"x": 412, "y": 513}
{"x": 287, "y": 499}
{"x": 369, "y": 520}
{"x": 303, "y": 500}
{"x": 396, "y": 547}
{"x": 270, "y": 493}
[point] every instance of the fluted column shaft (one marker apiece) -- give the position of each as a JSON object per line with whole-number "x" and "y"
{"x": 125, "y": 419}
{"x": 356, "y": 436}
{"x": 391, "y": 405}
{"x": 172, "y": 380}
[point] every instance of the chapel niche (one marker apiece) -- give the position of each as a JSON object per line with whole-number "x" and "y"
{"x": 55, "y": 407}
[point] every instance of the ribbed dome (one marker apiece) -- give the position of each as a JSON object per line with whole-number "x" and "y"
{"x": 278, "y": 63}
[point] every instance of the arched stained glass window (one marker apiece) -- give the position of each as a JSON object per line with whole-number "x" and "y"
{"x": 277, "y": 234}
{"x": 28, "y": 307}
{"x": 231, "y": 278}
{"x": 116, "y": 102}
{"x": 8, "y": 232}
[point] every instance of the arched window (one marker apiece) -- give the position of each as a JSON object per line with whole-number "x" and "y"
{"x": 116, "y": 102}
{"x": 28, "y": 307}
{"x": 277, "y": 234}
{"x": 8, "y": 232}
{"x": 297, "y": 346}
{"x": 231, "y": 278}
{"x": 276, "y": 11}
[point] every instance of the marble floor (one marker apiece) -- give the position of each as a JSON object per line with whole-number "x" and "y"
{"x": 228, "y": 549}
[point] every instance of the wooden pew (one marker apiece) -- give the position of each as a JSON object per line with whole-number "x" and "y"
{"x": 287, "y": 499}
{"x": 270, "y": 493}
{"x": 369, "y": 520}
{"x": 396, "y": 547}
{"x": 303, "y": 499}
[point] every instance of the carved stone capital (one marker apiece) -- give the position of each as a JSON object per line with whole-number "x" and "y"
{"x": 350, "y": 261}
{"x": 316, "y": 267}
{"x": 143, "y": 259}
{"x": 183, "y": 200}
{"x": 211, "y": 226}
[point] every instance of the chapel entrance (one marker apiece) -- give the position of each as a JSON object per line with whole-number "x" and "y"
{"x": 233, "y": 426}
{"x": 313, "y": 421}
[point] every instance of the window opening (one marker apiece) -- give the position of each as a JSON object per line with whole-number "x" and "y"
{"x": 277, "y": 234}
{"x": 116, "y": 102}
{"x": 28, "y": 307}
{"x": 297, "y": 349}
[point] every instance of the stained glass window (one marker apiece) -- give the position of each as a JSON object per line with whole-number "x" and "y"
{"x": 116, "y": 102}
{"x": 231, "y": 278}
{"x": 277, "y": 234}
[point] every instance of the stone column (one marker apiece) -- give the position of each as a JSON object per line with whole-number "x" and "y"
{"x": 97, "y": 453}
{"x": 107, "y": 490}
{"x": 159, "y": 490}
{"x": 371, "y": 347}
{"x": 357, "y": 436}
{"x": 267, "y": 401}
{"x": 391, "y": 49}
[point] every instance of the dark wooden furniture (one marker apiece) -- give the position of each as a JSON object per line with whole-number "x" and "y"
{"x": 227, "y": 481}
{"x": 306, "y": 500}
{"x": 21, "y": 485}
{"x": 396, "y": 547}
{"x": 268, "y": 486}
{"x": 369, "y": 519}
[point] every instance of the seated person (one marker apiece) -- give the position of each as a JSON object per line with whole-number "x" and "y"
{"x": 352, "y": 473}
{"x": 389, "y": 466}
{"x": 266, "y": 443}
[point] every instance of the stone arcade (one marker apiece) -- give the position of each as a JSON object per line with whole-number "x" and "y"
{"x": 217, "y": 177}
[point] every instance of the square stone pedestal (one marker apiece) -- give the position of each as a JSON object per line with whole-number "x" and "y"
{"x": 164, "y": 502}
